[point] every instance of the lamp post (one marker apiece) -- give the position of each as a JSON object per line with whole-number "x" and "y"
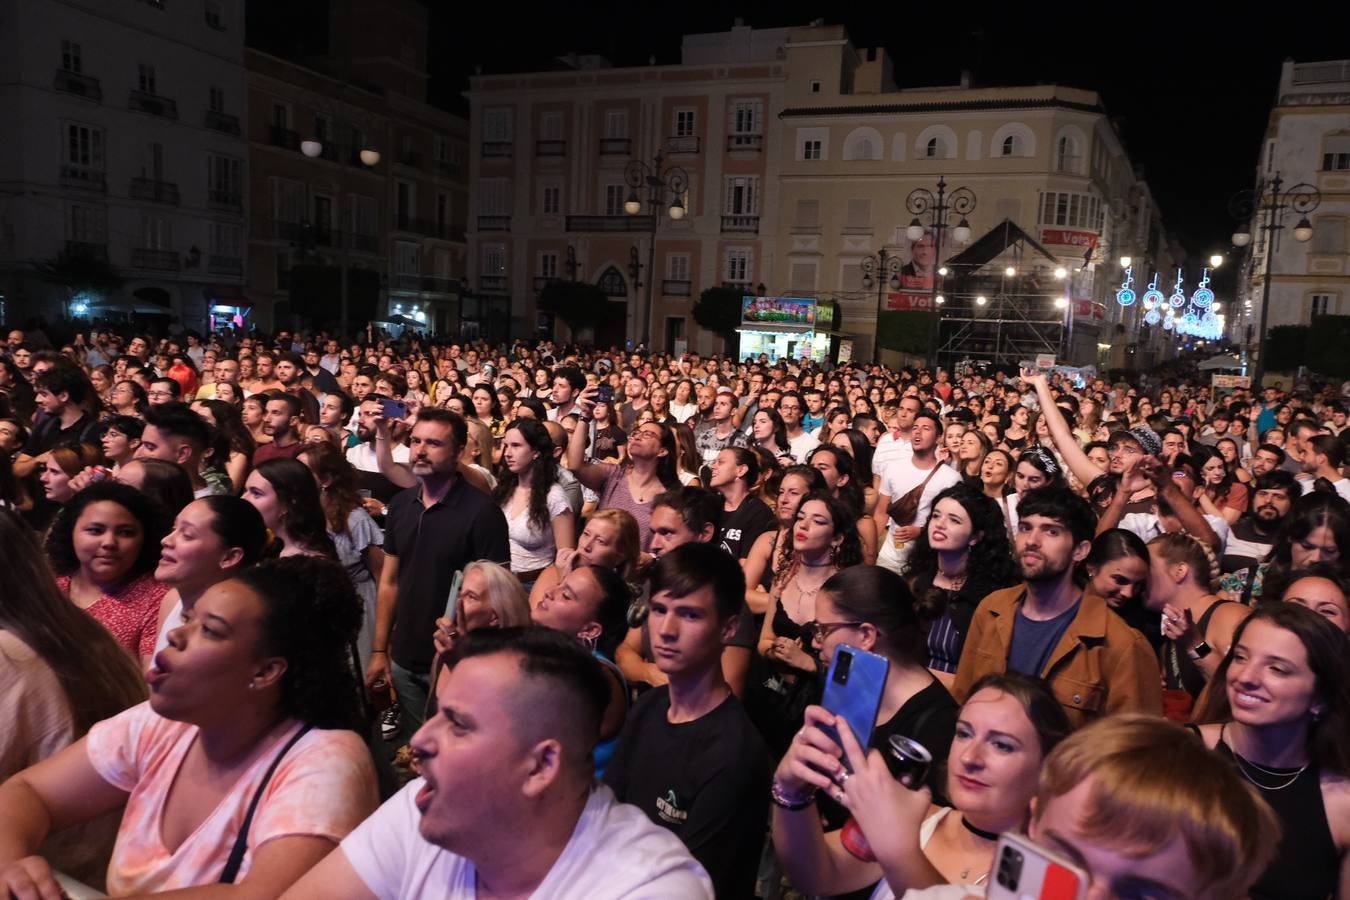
{"x": 876, "y": 268}
{"x": 922, "y": 201}
{"x": 658, "y": 182}
{"x": 1263, "y": 207}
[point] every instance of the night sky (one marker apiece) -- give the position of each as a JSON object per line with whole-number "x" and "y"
{"x": 1191, "y": 88}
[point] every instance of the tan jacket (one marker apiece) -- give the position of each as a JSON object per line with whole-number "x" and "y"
{"x": 1100, "y": 666}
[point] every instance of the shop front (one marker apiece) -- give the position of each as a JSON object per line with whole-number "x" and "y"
{"x": 786, "y": 328}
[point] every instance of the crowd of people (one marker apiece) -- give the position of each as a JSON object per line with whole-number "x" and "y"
{"x": 295, "y": 616}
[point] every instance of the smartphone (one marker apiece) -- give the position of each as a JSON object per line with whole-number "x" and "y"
{"x": 853, "y": 690}
{"x": 452, "y": 602}
{"x": 393, "y": 409}
{"x": 604, "y": 393}
{"x": 1027, "y": 871}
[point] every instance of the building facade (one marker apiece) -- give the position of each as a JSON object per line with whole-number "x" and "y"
{"x": 123, "y": 167}
{"x": 548, "y": 156}
{"x": 358, "y": 191}
{"x": 1307, "y": 142}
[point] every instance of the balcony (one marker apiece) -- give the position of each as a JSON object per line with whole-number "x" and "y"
{"x": 427, "y": 284}
{"x": 550, "y": 148}
{"x": 225, "y": 265}
{"x": 284, "y": 137}
{"x": 85, "y": 86}
{"x": 496, "y": 149}
{"x": 684, "y": 144}
{"x": 153, "y": 104}
{"x": 740, "y": 224}
{"x": 429, "y": 227}
{"x": 616, "y": 146}
{"x": 363, "y": 243}
{"x": 752, "y": 142}
{"x": 302, "y": 233}
{"x": 156, "y": 260}
{"x": 84, "y": 177}
{"x": 611, "y": 223}
{"x": 493, "y": 284}
{"x": 222, "y": 199}
{"x": 743, "y": 286}
{"x": 410, "y": 158}
{"x": 448, "y": 168}
{"x": 223, "y": 122}
{"x": 87, "y": 250}
{"x": 675, "y": 287}
{"x": 154, "y": 191}
{"x": 494, "y": 223}
{"x": 543, "y": 281}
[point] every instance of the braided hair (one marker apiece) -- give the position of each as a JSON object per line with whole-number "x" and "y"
{"x": 1180, "y": 547}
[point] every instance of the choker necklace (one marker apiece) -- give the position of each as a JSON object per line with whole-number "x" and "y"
{"x": 979, "y": 832}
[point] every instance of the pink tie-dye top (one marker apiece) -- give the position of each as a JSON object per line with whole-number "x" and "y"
{"x": 324, "y": 787}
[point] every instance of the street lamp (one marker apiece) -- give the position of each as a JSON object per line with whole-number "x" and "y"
{"x": 1263, "y": 207}
{"x": 658, "y": 182}
{"x": 921, "y": 201}
{"x": 1215, "y": 260}
{"x": 875, "y": 269}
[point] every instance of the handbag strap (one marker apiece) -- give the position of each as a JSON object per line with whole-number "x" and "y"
{"x": 240, "y": 847}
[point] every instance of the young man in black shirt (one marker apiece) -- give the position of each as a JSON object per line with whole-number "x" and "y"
{"x": 689, "y": 755}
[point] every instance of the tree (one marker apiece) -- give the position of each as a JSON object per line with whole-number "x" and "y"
{"x": 718, "y": 309}
{"x": 81, "y": 272}
{"x": 580, "y": 303}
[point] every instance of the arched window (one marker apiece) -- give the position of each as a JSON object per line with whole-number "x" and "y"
{"x": 613, "y": 284}
{"x": 1066, "y": 154}
{"x": 1010, "y": 147}
{"x": 934, "y": 148}
{"x": 864, "y": 150}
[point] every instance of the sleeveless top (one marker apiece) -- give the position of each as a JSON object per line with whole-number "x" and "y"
{"x": 1307, "y": 864}
{"x": 1179, "y": 671}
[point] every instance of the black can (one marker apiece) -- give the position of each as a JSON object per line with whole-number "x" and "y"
{"x": 910, "y": 758}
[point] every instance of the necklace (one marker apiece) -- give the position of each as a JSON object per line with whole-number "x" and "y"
{"x": 1244, "y": 765}
{"x": 979, "y": 832}
{"x": 957, "y": 582}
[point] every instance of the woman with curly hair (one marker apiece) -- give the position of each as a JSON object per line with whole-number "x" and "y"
{"x": 961, "y": 556}
{"x": 104, "y": 547}
{"x": 768, "y": 430}
{"x": 837, "y": 467}
{"x": 284, "y": 492}
{"x": 538, "y": 517}
{"x": 254, "y": 704}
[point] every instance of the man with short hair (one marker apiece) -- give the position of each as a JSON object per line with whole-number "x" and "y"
{"x": 163, "y": 390}
{"x": 1094, "y": 663}
{"x": 281, "y": 421}
{"x": 635, "y": 401}
{"x": 431, "y": 532}
{"x": 226, "y": 370}
{"x": 689, "y": 755}
{"x": 1298, "y": 432}
{"x": 719, "y": 432}
{"x": 814, "y": 417}
{"x": 895, "y": 445}
{"x": 1323, "y": 456}
{"x": 800, "y": 441}
{"x": 506, "y": 804}
{"x": 921, "y": 472}
{"x": 264, "y": 377}
{"x": 1267, "y": 458}
{"x": 176, "y": 434}
{"x": 568, "y": 382}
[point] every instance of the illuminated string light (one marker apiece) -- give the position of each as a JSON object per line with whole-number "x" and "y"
{"x": 1125, "y": 296}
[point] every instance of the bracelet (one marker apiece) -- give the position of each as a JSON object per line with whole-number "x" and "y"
{"x": 385, "y": 652}
{"x": 790, "y": 802}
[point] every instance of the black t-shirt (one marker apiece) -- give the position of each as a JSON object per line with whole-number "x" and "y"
{"x": 707, "y": 781}
{"x": 608, "y": 440}
{"x": 431, "y": 544}
{"x": 742, "y": 527}
{"x": 48, "y": 433}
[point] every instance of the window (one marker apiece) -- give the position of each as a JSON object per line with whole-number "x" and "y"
{"x": 550, "y": 126}
{"x": 1329, "y": 236}
{"x": 1335, "y": 161}
{"x": 742, "y": 196}
{"x": 84, "y": 147}
{"x": 406, "y": 201}
{"x": 802, "y": 276}
{"x": 497, "y": 126}
{"x": 283, "y": 270}
{"x": 815, "y": 87}
{"x": 363, "y": 215}
{"x": 494, "y": 197}
{"x": 440, "y": 148}
{"x": 224, "y": 239}
{"x": 811, "y": 150}
{"x": 407, "y": 259}
{"x": 1066, "y": 155}
{"x": 440, "y": 261}
{"x": 1336, "y": 153}
{"x": 935, "y": 149}
{"x": 1322, "y": 304}
{"x": 615, "y": 194}
{"x": 612, "y": 283}
{"x": 548, "y": 265}
{"x": 616, "y": 123}
{"x": 224, "y": 178}
{"x": 152, "y": 162}
{"x": 156, "y": 234}
{"x": 288, "y": 200}
{"x": 281, "y": 116}
{"x": 745, "y": 116}
{"x": 215, "y": 99}
{"x": 738, "y": 269}
{"x": 145, "y": 78}
{"x": 1070, "y": 210}
{"x": 807, "y": 214}
{"x": 551, "y": 204}
{"x": 1011, "y": 146}
{"x": 323, "y": 213}
{"x": 72, "y": 57}
{"x": 684, "y": 122}
{"x": 677, "y": 266}
{"x": 214, "y": 17}
{"x": 442, "y": 214}
{"x": 323, "y": 127}
{"x": 493, "y": 259}
{"x": 88, "y": 224}
{"x": 859, "y": 214}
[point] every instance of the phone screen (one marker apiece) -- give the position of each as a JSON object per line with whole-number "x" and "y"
{"x": 393, "y": 409}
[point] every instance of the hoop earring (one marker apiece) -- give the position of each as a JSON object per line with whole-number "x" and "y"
{"x": 834, "y": 554}
{"x": 589, "y": 641}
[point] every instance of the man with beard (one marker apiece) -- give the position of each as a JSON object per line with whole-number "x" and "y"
{"x": 719, "y": 431}
{"x": 1254, "y": 534}
{"x": 264, "y": 378}
{"x": 1268, "y": 457}
{"x": 362, "y": 456}
{"x": 921, "y": 473}
{"x": 432, "y": 531}
{"x": 1094, "y": 663}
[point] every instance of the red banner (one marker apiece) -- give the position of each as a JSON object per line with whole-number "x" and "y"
{"x": 1088, "y": 309}
{"x": 1068, "y": 237}
{"x": 906, "y": 300}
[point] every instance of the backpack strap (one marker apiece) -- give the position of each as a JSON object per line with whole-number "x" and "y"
{"x": 241, "y": 840}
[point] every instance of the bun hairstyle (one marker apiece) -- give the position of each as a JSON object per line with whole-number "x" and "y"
{"x": 1180, "y": 547}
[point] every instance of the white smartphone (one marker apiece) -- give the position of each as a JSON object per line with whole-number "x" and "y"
{"x": 1027, "y": 871}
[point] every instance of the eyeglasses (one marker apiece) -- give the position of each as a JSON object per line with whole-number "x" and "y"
{"x": 814, "y": 630}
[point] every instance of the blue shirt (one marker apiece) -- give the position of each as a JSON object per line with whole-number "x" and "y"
{"x": 1033, "y": 641}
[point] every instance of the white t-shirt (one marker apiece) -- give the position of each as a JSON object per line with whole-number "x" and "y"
{"x": 1147, "y": 527}
{"x": 897, "y": 481}
{"x": 362, "y": 456}
{"x": 937, "y": 892}
{"x": 532, "y": 547}
{"x": 1342, "y": 486}
{"x": 801, "y": 446}
{"x": 890, "y": 449}
{"x": 615, "y": 851}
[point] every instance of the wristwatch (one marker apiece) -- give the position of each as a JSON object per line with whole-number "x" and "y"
{"x": 1199, "y": 651}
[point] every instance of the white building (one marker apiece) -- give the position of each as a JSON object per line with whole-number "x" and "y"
{"x": 1307, "y": 142}
{"x": 122, "y": 158}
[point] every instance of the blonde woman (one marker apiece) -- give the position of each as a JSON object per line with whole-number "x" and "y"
{"x": 489, "y": 597}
